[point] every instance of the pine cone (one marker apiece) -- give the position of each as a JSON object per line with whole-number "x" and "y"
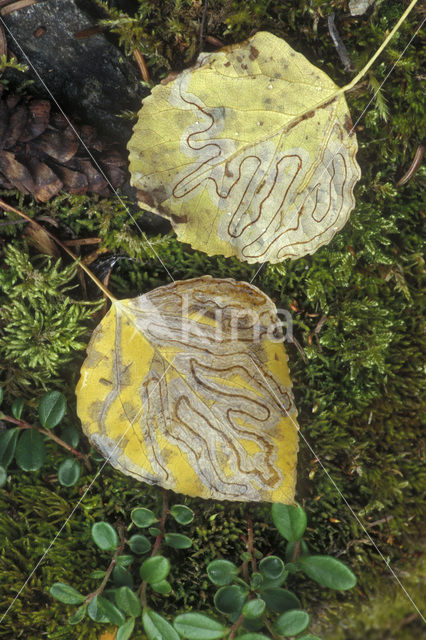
{"x": 40, "y": 153}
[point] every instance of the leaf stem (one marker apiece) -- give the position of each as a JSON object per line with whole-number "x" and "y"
{"x": 236, "y": 626}
{"x": 111, "y": 566}
{"x": 49, "y": 434}
{"x": 8, "y": 207}
{"x": 155, "y": 548}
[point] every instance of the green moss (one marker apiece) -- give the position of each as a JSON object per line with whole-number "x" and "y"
{"x": 357, "y": 390}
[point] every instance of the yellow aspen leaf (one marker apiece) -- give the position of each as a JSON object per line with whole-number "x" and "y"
{"x": 249, "y": 153}
{"x": 187, "y": 387}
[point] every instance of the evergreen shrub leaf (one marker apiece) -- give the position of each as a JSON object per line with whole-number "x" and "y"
{"x": 110, "y": 611}
{"x": 66, "y": 594}
{"x": 271, "y": 567}
{"x": 254, "y": 608}
{"x": 230, "y": 599}
{"x": 290, "y": 521}
{"x": 69, "y": 472}
{"x": 163, "y": 586}
{"x": 197, "y": 626}
{"x": 280, "y": 600}
{"x": 95, "y": 612}
{"x": 8, "y": 440}
{"x": 122, "y": 577}
{"x": 221, "y": 572}
{"x": 30, "y": 450}
{"x": 182, "y": 514}
{"x": 155, "y": 569}
{"x": 78, "y": 615}
{"x": 127, "y": 601}
{"x": 156, "y": 627}
{"x": 104, "y": 536}
{"x": 51, "y": 409}
{"x": 17, "y": 408}
{"x": 125, "y": 631}
{"x": 177, "y": 540}
{"x": 328, "y": 571}
{"x": 139, "y": 544}
{"x": 3, "y": 476}
{"x": 291, "y": 622}
{"x": 142, "y": 517}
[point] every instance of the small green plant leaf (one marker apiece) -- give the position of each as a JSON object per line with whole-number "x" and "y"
{"x": 254, "y": 608}
{"x": 3, "y": 476}
{"x": 127, "y": 601}
{"x": 121, "y": 577}
{"x": 271, "y": 567}
{"x": 51, "y": 409}
{"x": 71, "y": 436}
{"x": 8, "y": 440}
{"x": 78, "y": 615}
{"x": 104, "y": 536}
{"x": 197, "y": 626}
{"x": 156, "y": 627}
{"x": 139, "y": 544}
{"x": 280, "y": 600}
{"x": 164, "y": 587}
{"x": 182, "y": 514}
{"x": 110, "y": 611}
{"x": 69, "y": 472}
{"x": 124, "y": 560}
{"x": 292, "y": 622}
{"x": 66, "y": 594}
{"x": 30, "y": 450}
{"x": 230, "y": 599}
{"x": 328, "y": 571}
{"x": 256, "y": 580}
{"x": 253, "y": 636}
{"x": 155, "y": 569}
{"x": 290, "y": 520}
{"x": 94, "y": 612}
{"x": 221, "y": 572}
{"x": 142, "y": 517}
{"x": 294, "y": 552}
{"x": 154, "y": 531}
{"x": 17, "y": 408}
{"x": 97, "y": 574}
{"x": 177, "y": 540}
{"x": 125, "y": 631}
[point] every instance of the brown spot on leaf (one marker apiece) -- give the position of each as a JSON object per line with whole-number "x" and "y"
{"x": 253, "y": 53}
{"x": 179, "y": 219}
{"x": 349, "y": 124}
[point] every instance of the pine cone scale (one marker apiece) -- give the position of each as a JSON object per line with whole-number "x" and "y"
{"x": 42, "y": 153}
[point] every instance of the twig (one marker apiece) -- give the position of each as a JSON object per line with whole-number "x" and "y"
{"x": 25, "y": 425}
{"x": 236, "y": 626}
{"x": 140, "y": 61}
{"x": 417, "y": 160}
{"x": 8, "y": 207}
{"x": 78, "y": 242}
{"x": 203, "y": 23}
{"x": 111, "y": 566}
{"x": 338, "y": 43}
{"x": 155, "y": 548}
{"x": 17, "y": 6}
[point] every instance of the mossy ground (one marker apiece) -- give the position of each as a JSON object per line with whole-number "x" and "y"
{"x": 358, "y": 387}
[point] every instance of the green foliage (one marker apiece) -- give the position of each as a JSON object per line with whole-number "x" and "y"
{"x": 40, "y": 326}
{"x": 249, "y": 602}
